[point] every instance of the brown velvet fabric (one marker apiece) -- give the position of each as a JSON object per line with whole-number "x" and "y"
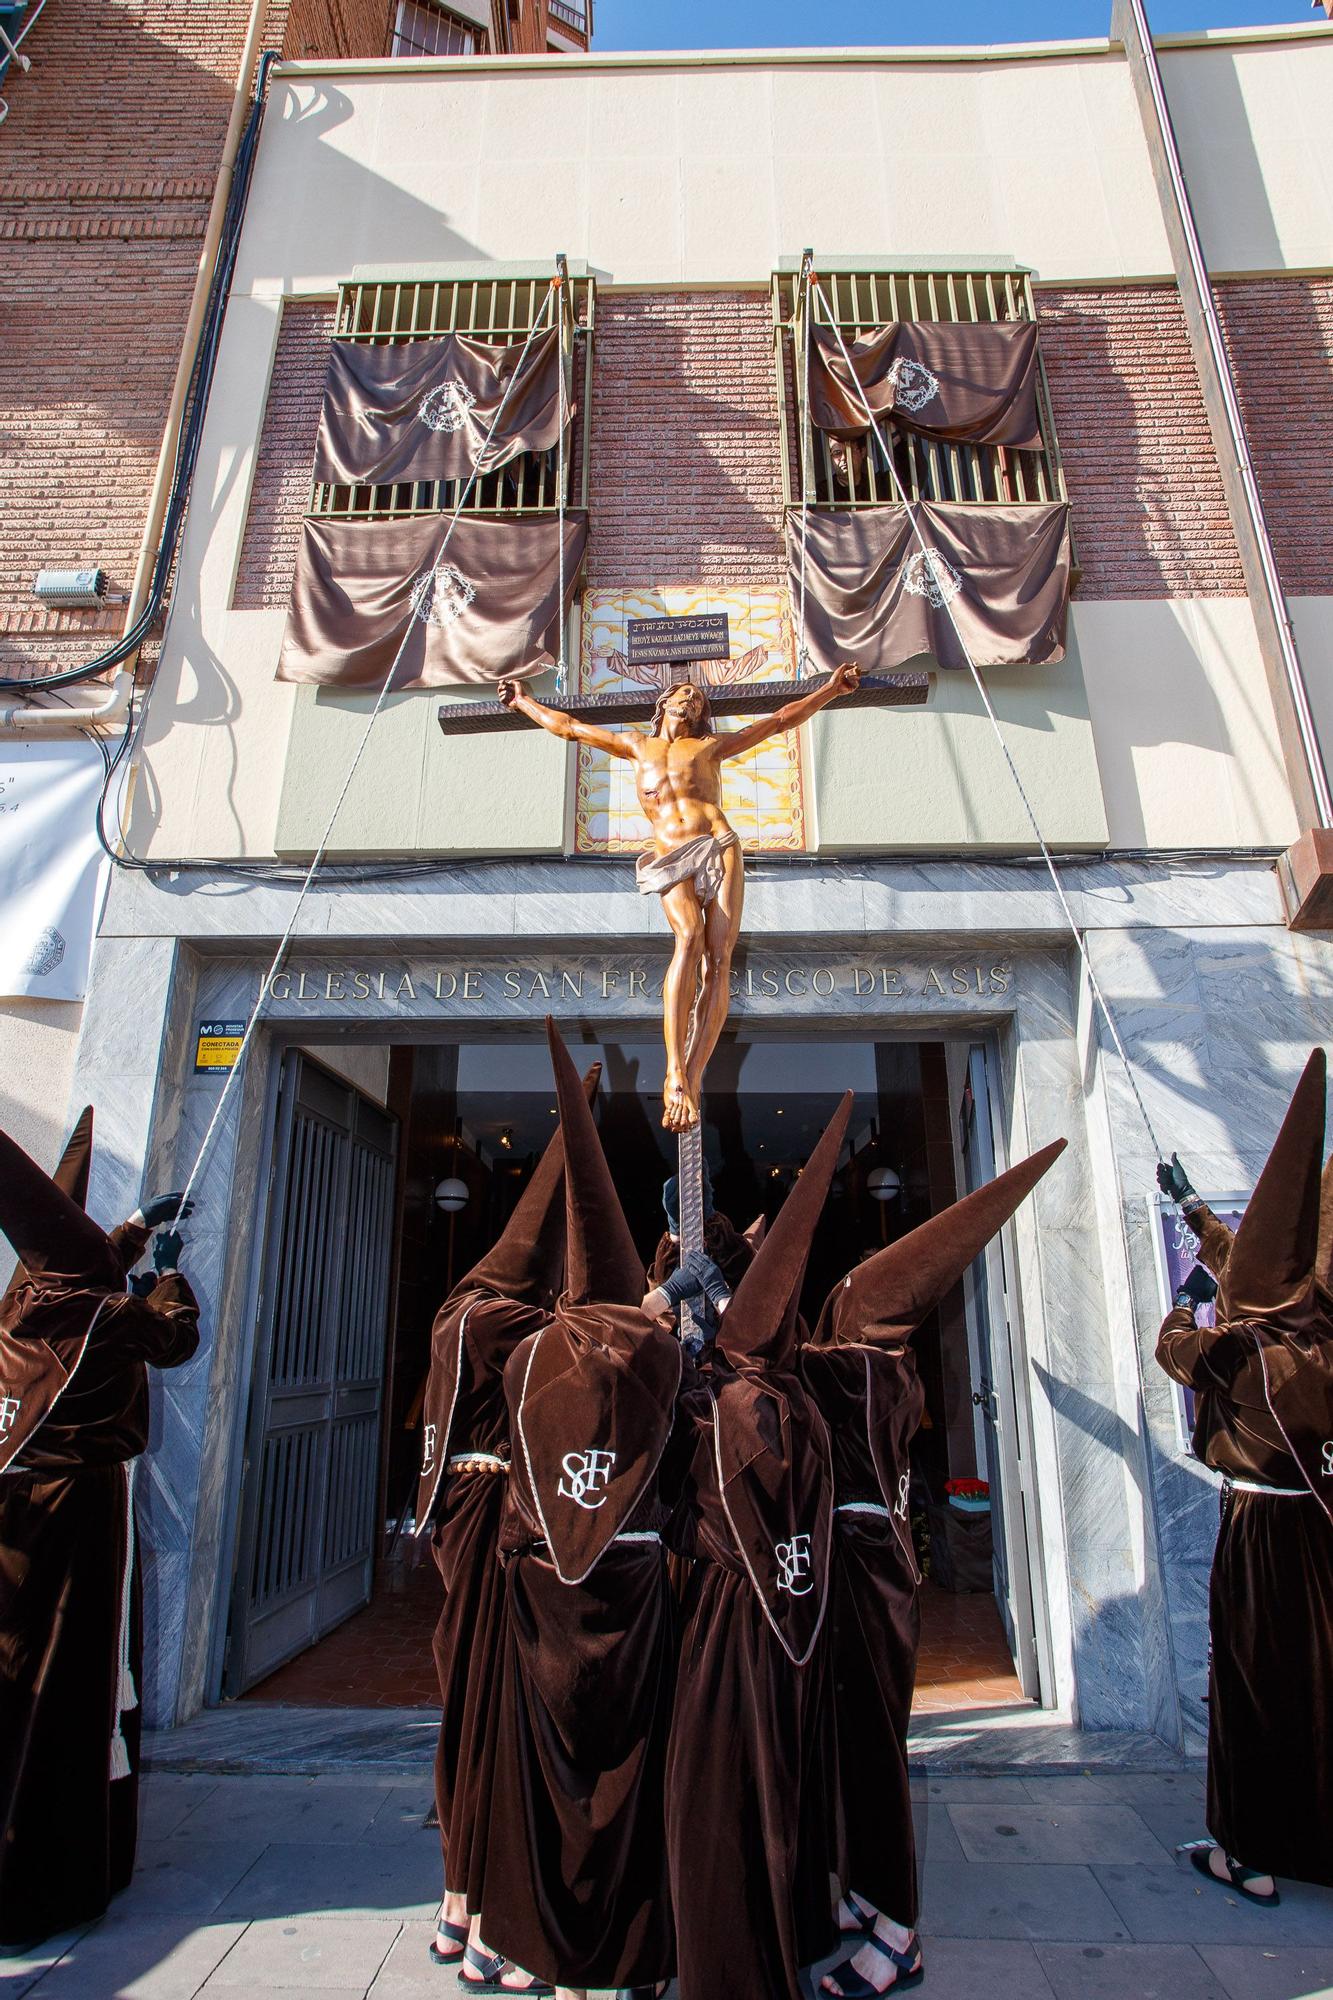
{"x": 575, "y": 1883}
{"x": 68, "y": 1830}
{"x": 751, "y": 1805}
{"x": 732, "y": 1252}
{"x": 885, "y": 1299}
{"x": 597, "y": 1379}
{"x": 1234, "y": 1430}
{"x": 1298, "y": 1383}
{"x": 1269, "y": 1276}
{"x": 1215, "y": 1238}
{"x": 872, "y": 1400}
{"x": 604, "y": 1268}
{"x": 873, "y": 597}
{"x": 773, "y": 1452}
{"x": 421, "y": 409}
{"x": 468, "y": 1645}
{"x": 364, "y": 588}
{"x": 945, "y": 379}
{"x": 49, "y": 1232}
{"x": 1270, "y": 1723}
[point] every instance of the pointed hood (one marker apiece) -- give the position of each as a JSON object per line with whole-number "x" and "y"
{"x": 1270, "y": 1273}
{"x": 602, "y": 1265}
{"x": 1323, "y": 1266}
{"x": 526, "y": 1261}
{"x": 887, "y": 1297}
{"x": 761, "y": 1319}
{"x": 50, "y": 1232}
{"x": 71, "y": 1175}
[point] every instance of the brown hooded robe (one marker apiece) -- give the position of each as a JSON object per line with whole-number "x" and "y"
{"x": 863, "y": 1378}
{"x": 1263, "y": 1382}
{"x": 575, "y": 1885}
{"x": 502, "y": 1300}
{"x": 75, "y": 1349}
{"x": 751, "y": 1806}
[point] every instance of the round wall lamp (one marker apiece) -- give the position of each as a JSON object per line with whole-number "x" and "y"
{"x": 883, "y": 1184}
{"x": 451, "y": 1195}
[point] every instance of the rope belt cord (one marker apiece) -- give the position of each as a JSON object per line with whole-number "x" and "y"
{"x": 476, "y": 1461}
{"x": 127, "y": 1697}
{"x": 875, "y": 1507}
{"x": 1257, "y": 1486}
{"x": 353, "y": 767}
{"x": 1094, "y": 985}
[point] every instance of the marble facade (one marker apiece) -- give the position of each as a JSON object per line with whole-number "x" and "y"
{"x": 1217, "y": 1003}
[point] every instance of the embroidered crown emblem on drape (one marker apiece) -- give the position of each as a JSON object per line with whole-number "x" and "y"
{"x": 441, "y": 596}
{"x": 913, "y": 385}
{"x": 930, "y": 575}
{"x": 446, "y": 407}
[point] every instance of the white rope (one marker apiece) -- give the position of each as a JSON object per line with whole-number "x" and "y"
{"x": 802, "y": 651}
{"x": 352, "y": 768}
{"x": 127, "y": 1697}
{"x": 929, "y": 553}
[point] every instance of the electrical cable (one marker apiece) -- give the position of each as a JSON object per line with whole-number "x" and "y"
{"x": 802, "y": 651}
{"x": 420, "y": 598}
{"x": 931, "y": 560}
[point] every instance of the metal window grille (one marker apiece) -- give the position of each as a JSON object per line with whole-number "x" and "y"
{"x": 498, "y": 310}
{"x": 422, "y": 29}
{"x": 568, "y": 16}
{"x": 835, "y": 475}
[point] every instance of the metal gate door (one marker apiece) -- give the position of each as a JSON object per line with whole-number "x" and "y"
{"x": 995, "y": 1395}
{"x": 308, "y": 1528}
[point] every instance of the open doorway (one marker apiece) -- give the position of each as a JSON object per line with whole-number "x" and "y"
{"x": 474, "y": 1119}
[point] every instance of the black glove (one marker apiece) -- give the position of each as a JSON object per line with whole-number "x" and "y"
{"x": 1199, "y": 1289}
{"x": 167, "y": 1247}
{"x": 166, "y": 1208}
{"x": 708, "y": 1279}
{"x": 142, "y": 1283}
{"x": 1174, "y": 1181}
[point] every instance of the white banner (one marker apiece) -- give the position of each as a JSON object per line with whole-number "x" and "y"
{"x": 52, "y": 867}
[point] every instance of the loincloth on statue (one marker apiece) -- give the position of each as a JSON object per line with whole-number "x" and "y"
{"x": 700, "y": 860}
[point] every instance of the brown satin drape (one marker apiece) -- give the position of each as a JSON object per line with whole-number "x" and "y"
{"x": 485, "y": 609}
{"x": 422, "y": 409}
{"x": 973, "y": 383}
{"x": 874, "y": 597}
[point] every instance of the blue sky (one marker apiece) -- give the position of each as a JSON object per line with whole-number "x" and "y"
{"x": 738, "y": 24}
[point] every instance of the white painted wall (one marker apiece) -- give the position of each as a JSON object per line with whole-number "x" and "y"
{"x": 37, "y": 1039}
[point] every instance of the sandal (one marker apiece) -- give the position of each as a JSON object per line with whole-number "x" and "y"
{"x": 864, "y": 1915}
{"x": 909, "y": 1969}
{"x": 1199, "y": 1853}
{"x": 457, "y": 1935}
{"x": 489, "y": 1968}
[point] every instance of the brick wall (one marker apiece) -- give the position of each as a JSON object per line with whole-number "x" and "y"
{"x": 685, "y": 473}
{"x": 1149, "y": 515}
{"x": 1279, "y": 334}
{"x": 286, "y": 450}
{"x": 107, "y": 167}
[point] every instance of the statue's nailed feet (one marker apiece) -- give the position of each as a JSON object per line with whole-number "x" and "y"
{"x": 680, "y": 1106}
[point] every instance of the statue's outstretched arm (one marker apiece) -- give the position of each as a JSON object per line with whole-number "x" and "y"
{"x": 844, "y": 681}
{"x": 568, "y": 727}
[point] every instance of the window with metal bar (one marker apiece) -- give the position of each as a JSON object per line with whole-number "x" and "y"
{"x": 830, "y": 473}
{"x": 423, "y": 29}
{"x": 497, "y": 310}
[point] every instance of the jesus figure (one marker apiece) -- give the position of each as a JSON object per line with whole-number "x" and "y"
{"x": 694, "y": 863}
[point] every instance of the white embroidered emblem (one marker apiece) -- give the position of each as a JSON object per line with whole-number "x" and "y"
{"x": 930, "y": 575}
{"x": 446, "y": 408}
{"x": 441, "y": 596}
{"x": 9, "y": 1410}
{"x": 793, "y": 1564}
{"x": 913, "y": 385}
{"x": 901, "y": 1509}
{"x": 1328, "y": 1460}
{"x": 427, "y": 1448}
{"x": 586, "y": 1472}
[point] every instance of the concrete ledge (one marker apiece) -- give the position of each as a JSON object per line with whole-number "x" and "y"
{"x": 1305, "y": 877}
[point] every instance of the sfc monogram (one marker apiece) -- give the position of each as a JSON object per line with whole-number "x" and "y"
{"x": 587, "y": 1473}
{"x": 9, "y": 1410}
{"x": 1327, "y": 1472}
{"x": 793, "y": 1565}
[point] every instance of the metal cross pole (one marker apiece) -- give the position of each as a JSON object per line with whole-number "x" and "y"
{"x": 690, "y": 1168}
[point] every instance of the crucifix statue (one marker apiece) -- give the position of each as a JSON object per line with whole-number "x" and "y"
{"x": 694, "y": 863}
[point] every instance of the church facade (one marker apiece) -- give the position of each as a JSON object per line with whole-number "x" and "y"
{"x": 902, "y": 930}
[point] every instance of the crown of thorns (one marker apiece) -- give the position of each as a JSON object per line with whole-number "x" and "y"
{"x": 703, "y": 721}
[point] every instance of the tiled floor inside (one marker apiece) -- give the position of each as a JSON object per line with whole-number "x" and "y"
{"x": 381, "y": 1658}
